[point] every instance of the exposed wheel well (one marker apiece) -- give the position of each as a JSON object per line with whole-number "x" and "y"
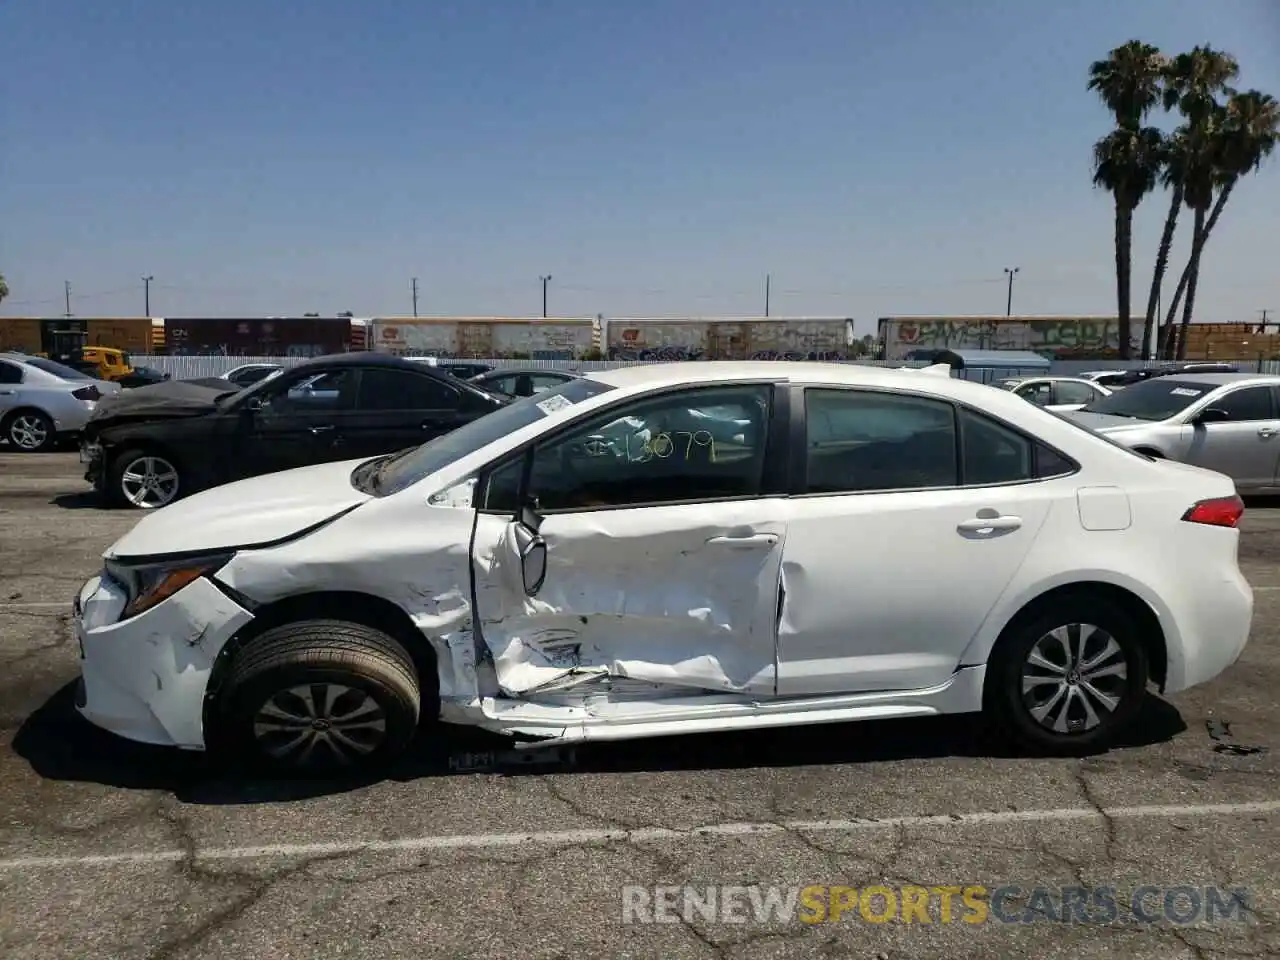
{"x": 355, "y": 607}
{"x": 1134, "y": 606}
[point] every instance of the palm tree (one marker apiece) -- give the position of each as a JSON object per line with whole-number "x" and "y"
{"x": 1172, "y": 176}
{"x": 1127, "y": 164}
{"x": 1243, "y": 135}
{"x": 4, "y": 287}
{"x": 1192, "y": 82}
{"x": 1127, "y": 161}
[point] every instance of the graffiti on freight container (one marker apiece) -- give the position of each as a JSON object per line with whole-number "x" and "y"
{"x": 796, "y": 355}
{"x": 657, "y": 353}
{"x": 1059, "y": 338}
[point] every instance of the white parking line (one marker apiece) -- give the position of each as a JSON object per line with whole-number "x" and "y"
{"x": 450, "y": 842}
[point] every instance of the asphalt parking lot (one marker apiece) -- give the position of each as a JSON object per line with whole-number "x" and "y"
{"x": 114, "y": 850}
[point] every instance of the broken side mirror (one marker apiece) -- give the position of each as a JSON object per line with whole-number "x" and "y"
{"x": 532, "y": 550}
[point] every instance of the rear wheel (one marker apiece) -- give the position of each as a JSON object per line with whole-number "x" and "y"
{"x": 319, "y": 696}
{"x": 144, "y": 479}
{"x": 1068, "y": 678}
{"x": 30, "y": 431}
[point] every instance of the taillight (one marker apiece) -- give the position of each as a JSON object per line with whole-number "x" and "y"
{"x": 1218, "y": 512}
{"x": 87, "y": 393}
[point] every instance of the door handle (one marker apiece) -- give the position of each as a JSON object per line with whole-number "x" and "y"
{"x": 327, "y": 428}
{"x": 1267, "y": 431}
{"x": 752, "y": 540}
{"x": 986, "y": 525}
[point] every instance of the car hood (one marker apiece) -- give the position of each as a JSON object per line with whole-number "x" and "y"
{"x": 247, "y": 513}
{"x": 1103, "y": 422}
{"x": 160, "y": 401}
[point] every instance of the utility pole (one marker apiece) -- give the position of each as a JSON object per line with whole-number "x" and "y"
{"x": 1008, "y": 307}
{"x": 1262, "y": 327}
{"x": 545, "y": 280}
{"x": 66, "y": 289}
{"x": 766, "y": 294}
{"x": 146, "y": 296}
{"x": 415, "y": 296}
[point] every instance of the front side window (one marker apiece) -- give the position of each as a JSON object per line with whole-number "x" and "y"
{"x": 315, "y": 393}
{"x": 1251, "y": 403}
{"x": 706, "y": 444}
{"x": 403, "y": 390}
{"x": 860, "y": 440}
{"x": 10, "y": 373}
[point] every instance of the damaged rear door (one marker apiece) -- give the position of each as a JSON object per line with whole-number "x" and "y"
{"x": 641, "y": 546}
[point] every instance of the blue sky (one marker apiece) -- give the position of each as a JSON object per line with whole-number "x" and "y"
{"x": 656, "y": 158}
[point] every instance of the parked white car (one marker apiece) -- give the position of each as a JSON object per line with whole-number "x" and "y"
{"x": 1059, "y": 394}
{"x": 878, "y": 544}
{"x": 42, "y": 401}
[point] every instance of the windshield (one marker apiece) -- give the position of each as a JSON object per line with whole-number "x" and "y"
{"x": 408, "y": 467}
{"x": 57, "y": 369}
{"x": 1156, "y": 399}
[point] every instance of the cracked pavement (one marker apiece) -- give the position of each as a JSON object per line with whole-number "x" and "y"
{"x": 191, "y": 878}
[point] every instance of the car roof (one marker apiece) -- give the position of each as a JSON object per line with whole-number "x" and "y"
{"x": 1221, "y": 379}
{"x": 362, "y": 358}
{"x": 694, "y": 372}
{"x": 508, "y": 371}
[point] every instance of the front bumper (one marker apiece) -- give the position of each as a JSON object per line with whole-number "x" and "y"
{"x": 92, "y": 458}
{"x": 145, "y": 677}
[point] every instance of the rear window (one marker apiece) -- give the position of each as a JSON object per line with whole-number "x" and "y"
{"x": 1156, "y": 399}
{"x": 57, "y": 369}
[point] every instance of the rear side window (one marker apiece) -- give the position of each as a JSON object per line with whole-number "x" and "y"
{"x": 862, "y": 441}
{"x": 404, "y": 390}
{"x": 1068, "y": 392}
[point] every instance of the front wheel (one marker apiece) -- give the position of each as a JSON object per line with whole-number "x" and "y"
{"x": 1069, "y": 678}
{"x": 144, "y": 479}
{"x": 319, "y": 696}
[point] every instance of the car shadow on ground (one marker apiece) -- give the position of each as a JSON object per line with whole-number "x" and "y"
{"x": 62, "y": 746}
{"x": 84, "y": 500}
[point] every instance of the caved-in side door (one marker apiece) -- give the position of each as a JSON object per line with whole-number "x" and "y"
{"x": 643, "y": 544}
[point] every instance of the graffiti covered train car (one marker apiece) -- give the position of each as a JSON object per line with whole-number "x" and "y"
{"x": 257, "y": 336}
{"x": 754, "y": 338}
{"x": 1058, "y": 338}
{"x": 538, "y": 338}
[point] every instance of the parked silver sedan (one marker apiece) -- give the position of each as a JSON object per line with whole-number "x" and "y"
{"x": 41, "y": 400}
{"x": 1058, "y": 394}
{"x": 1228, "y": 422}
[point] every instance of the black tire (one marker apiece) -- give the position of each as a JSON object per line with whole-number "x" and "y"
{"x": 314, "y": 654}
{"x": 1011, "y": 709}
{"x": 29, "y": 419}
{"x": 114, "y": 486}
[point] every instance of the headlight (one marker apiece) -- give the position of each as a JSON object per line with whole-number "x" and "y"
{"x": 149, "y": 584}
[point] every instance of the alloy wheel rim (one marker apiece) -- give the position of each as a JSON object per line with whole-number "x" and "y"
{"x": 320, "y": 721}
{"x": 149, "y": 482}
{"x": 1074, "y": 678}
{"x": 28, "y": 432}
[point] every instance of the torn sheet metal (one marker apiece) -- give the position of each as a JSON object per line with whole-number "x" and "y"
{"x": 420, "y": 563}
{"x": 656, "y": 595}
{"x": 142, "y": 675}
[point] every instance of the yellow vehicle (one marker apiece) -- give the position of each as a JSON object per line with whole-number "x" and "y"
{"x": 105, "y": 363}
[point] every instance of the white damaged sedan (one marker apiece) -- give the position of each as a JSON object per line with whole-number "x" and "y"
{"x": 594, "y": 562}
